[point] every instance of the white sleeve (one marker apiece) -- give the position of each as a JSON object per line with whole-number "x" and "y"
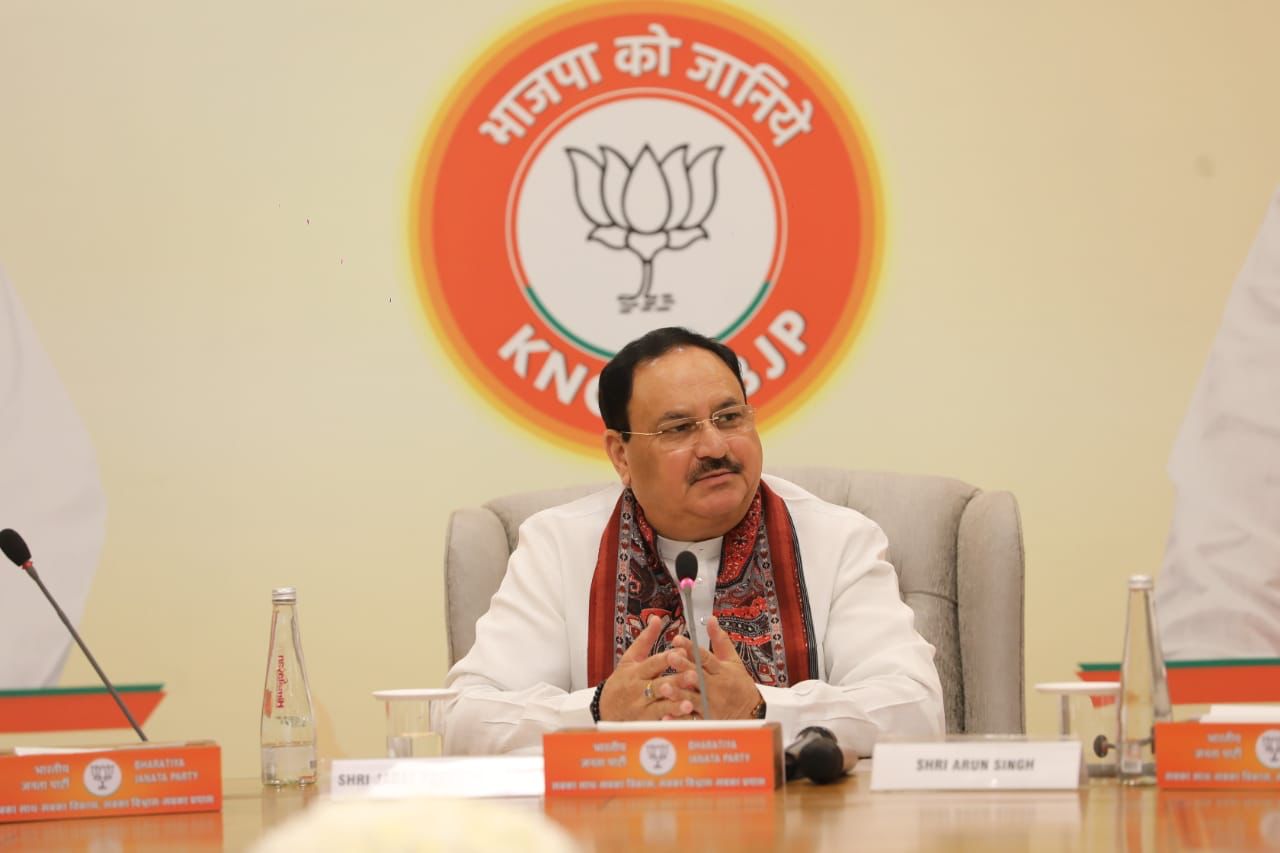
{"x": 514, "y": 682}
{"x": 51, "y": 494}
{"x": 880, "y": 677}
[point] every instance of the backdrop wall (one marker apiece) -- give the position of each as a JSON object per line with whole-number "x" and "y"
{"x": 205, "y": 209}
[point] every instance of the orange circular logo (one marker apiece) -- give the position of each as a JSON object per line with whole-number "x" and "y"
{"x": 612, "y": 169}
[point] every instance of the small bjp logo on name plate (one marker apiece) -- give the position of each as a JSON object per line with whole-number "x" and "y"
{"x": 614, "y": 168}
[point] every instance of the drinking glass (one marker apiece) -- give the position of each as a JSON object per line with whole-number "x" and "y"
{"x": 411, "y": 731}
{"x": 1087, "y": 712}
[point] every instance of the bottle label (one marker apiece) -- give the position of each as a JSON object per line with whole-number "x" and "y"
{"x": 281, "y": 681}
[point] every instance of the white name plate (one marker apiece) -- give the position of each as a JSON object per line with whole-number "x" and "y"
{"x": 976, "y": 765}
{"x": 474, "y": 776}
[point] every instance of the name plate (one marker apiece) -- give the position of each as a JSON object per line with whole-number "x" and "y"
{"x": 55, "y": 784}
{"x": 1218, "y": 755}
{"x": 976, "y": 765}
{"x": 461, "y": 776}
{"x": 634, "y": 759}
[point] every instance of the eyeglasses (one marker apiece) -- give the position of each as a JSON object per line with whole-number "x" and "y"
{"x": 734, "y": 420}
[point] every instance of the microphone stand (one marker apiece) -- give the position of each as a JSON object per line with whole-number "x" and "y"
{"x": 686, "y": 585}
{"x": 31, "y": 570}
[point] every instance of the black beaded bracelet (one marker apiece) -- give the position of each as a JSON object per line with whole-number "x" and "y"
{"x": 595, "y": 703}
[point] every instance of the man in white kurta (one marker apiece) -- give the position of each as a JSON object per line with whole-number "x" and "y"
{"x": 814, "y": 631}
{"x": 526, "y": 674}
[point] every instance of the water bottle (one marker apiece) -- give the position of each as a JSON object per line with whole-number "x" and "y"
{"x": 1144, "y": 687}
{"x": 288, "y": 725}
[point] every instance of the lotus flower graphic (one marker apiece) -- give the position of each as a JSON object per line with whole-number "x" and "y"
{"x": 102, "y": 774}
{"x": 647, "y": 205}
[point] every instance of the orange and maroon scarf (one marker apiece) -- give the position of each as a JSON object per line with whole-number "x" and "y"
{"x": 760, "y": 598}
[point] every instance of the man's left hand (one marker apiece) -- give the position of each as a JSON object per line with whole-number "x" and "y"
{"x": 731, "y": 691}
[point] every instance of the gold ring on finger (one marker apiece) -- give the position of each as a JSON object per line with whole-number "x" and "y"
{"x": 648, "y": 691}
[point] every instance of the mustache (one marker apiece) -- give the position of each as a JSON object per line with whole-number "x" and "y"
{"x": 711, "y": 466}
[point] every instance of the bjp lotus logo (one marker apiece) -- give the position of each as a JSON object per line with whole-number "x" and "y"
{"x": 646, "y": 206}
{"x": 610, "y": 168}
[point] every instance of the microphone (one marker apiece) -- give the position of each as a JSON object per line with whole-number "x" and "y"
{"x": 16, "y": 550}
{"x": 687, "y": 572}
{"x": 816, "y": 755}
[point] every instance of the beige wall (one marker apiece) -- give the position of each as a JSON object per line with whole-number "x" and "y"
{"x": 204, "y": 209}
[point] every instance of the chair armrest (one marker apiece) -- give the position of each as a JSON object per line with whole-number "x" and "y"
{"x": 989, "y": 591}
{"x": 475, "y": 559}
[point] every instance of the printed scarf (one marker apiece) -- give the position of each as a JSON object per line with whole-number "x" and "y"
{"x": 759, "y": 601}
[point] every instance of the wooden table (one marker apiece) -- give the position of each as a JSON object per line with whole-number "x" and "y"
{"x": 801, "y": 817}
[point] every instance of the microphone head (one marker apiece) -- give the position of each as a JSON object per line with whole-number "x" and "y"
{"x": 17, "y": 551}
{"x": 686, "y": 566}
{"x": 821, "y": 761}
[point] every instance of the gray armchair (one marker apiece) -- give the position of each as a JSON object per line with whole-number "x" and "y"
{"x": 957, "y": 549}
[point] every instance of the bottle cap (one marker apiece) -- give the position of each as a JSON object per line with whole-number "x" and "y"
{"x": 1140, "y": 582}
{"x": 284, "y": 595}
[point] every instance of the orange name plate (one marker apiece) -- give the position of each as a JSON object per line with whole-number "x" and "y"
{"x": 660, "y": 759}
{"x": 1218, "y": 755}
{"x": 126, "y": 780}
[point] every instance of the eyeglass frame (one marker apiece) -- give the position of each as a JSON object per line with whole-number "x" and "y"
{"x": 744, "y": 408}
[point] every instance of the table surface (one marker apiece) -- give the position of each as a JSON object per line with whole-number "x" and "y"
{"x": 799, "y": 817}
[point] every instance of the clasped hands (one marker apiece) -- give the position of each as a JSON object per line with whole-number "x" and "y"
{"x": 641, "y": 688}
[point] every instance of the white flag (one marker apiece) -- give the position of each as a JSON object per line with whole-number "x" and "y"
{"x": 51, "y": 494}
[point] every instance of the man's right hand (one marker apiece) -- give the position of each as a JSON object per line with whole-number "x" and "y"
{"x": 624, "y": 695}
